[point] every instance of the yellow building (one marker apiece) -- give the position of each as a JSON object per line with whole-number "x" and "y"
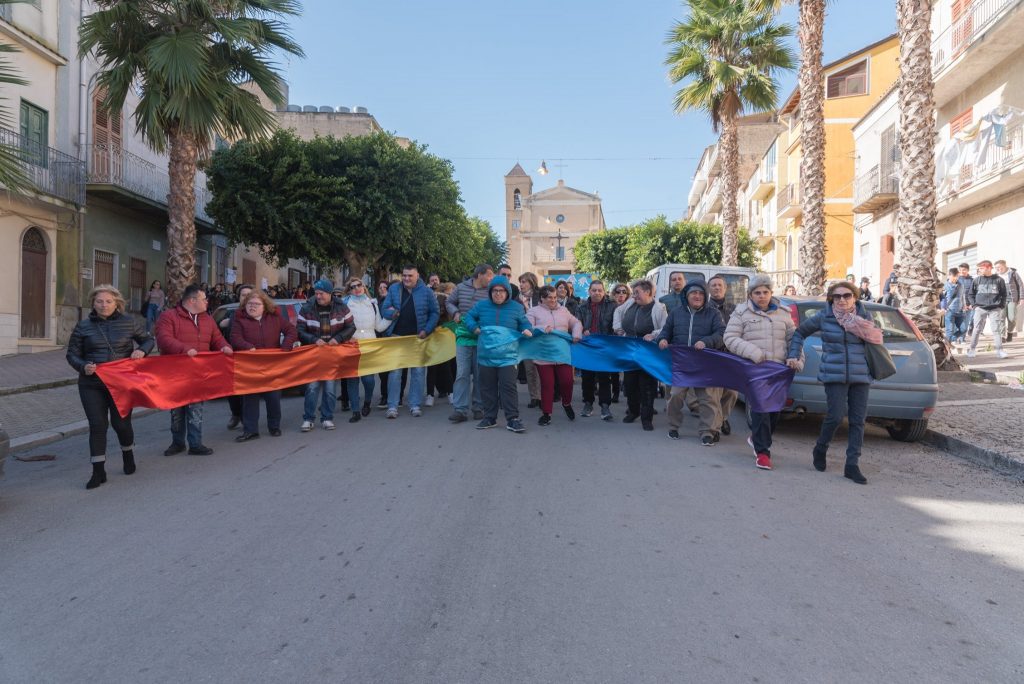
{"x": 853, "y": 85}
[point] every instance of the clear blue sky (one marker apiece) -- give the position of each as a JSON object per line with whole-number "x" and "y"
{"x": 486, "y": 84}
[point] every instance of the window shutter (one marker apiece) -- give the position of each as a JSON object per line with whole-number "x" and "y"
{"x": 961, "y": 121}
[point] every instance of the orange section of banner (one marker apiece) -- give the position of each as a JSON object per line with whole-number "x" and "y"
{"x": 264, "y": 370}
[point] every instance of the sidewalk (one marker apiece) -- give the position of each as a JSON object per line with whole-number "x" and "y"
{"x": 980, "y": 421}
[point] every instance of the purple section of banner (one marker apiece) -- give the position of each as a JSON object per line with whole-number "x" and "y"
{"x": 763, "y": 385}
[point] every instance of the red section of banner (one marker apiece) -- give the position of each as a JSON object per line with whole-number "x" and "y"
{"x": 269, "y": 369}
{"x": 166, "y": 382}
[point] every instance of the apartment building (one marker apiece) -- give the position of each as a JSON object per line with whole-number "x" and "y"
{"x": 37, "y": 226}
{"x": 978, "y": 67}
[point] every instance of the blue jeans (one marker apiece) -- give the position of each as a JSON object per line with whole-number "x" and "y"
{"x": 152, "y": 313}
{"x": 192, "y": 428}
{"x": 466, "y": 372}
{"x": 330, "y": 396}
{"x": 849, "y": 401}
{"x": 367, "y": 382}
{"x": 956, "y": 326}
{"x": 417, "y": 387}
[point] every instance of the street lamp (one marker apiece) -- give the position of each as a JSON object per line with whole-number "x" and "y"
{"x": 543, "y": 170}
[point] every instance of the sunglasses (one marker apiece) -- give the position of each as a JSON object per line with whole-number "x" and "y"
{"x": 848, "y": 295}
{"x": 622, "y": 292}
{"x": 353, "y": 285}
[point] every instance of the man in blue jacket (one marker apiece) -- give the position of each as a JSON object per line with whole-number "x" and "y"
{"x": 498, "y": 382}
{"x": 412, "y": 308}
{"x": 697, "y": 325}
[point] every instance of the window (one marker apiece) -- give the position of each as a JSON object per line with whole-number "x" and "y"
{"x": 34, "y": 133}
{"x": 515, "y": 224}
{"x": 850, "y": 81}
{"x": 961, "y": 121}
{"x": 103, "y": 268}
{"x": 221, "y": 266}
{"x": 735, "y": 286}
{"x": 517, "y": 200}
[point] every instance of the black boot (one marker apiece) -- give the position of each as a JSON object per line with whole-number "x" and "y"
{"x": 853, "y": 472}
{"x": 356, "y": 417}
{"x": 99, "y": 476}
{"x": 129, "y": 461}
{"x": 366, "y": 408}
{"x": 819, "y": 459}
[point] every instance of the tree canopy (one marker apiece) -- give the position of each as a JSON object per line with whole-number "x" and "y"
{"x": 368, "y": 202}
{"x": 631, "y": 251}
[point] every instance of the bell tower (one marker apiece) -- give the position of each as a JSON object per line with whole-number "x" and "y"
{"x": 518, "y": 186}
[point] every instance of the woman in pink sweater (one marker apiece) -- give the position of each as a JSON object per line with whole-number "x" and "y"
{"x": 549, "y": 315}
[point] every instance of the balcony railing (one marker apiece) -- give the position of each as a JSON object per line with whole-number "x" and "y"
{"x": 996, "y": 159}
{"x": 875, "y": 189}
{"x": 112, "y": 165}
{"x": 959, "y": 35}
{"x": 50, "y": 172}
{"x": 789, "y": 201}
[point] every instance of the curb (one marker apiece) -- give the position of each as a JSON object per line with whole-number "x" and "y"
{"x": 970, "y": 452}
{"x": 7, "y": 391}
{"x": 26, "y": 442}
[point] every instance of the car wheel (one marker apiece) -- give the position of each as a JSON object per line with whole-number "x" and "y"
{"x": 906, "y": 430}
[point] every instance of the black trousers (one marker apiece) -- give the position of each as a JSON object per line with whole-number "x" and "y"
{"x": 616, "y": 383}
{"x": 251, "y": 411}
{"x": 440, "y": 379}
{"x": 101, "y": 413}
{"x": 640, "y": 390}
{"x": 235, "y": 402}
{"x": 498, "y": 388}
{"x": 603, "y": 381}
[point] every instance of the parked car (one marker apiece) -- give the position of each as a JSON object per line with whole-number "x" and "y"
{"x": 290, "y": 307}
{"x": 902, "y": 403}
{"x": 736, "y": 278}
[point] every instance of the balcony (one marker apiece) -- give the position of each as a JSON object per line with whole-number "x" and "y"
{"x": 764, "y": 184}
{"x": 711, "y": 203}
{"x": 50, "y": 172}
{"x": 997, "y": 172}
{"x": 789, "y": 202}
{"x": 128, "y": 179}
{"x": 956, "y": 64}
{"x": 875, "y": 190}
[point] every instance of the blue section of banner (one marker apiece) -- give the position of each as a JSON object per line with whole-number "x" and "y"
{"x": 614, "y": 354}
{"x": 764, "y": 385}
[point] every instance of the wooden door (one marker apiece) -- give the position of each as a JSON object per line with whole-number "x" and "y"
{"x": 249, "y": 272}
{"x": 33, "y": 284}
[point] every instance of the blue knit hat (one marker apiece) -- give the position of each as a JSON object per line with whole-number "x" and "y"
{"x": 323, "y": 285}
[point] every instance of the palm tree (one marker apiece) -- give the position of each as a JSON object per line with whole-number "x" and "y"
{"x": 728, "y": 53}
{"x": 811, "y": 29}
{"x": 187, "y": 59}
{"x": 12, "y": 170}
{"x": 918, "y": 285}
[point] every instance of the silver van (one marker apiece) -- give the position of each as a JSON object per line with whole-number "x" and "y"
{"x": 736, "y": 278}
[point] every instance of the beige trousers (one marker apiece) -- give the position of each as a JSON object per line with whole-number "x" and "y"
{"x": 709, "y": 408}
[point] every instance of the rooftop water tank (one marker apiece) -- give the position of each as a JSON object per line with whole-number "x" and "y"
{"x": 309, "y": 108}
{"x": 294, "y": 108}
{"x": 360, "y": 110}
{"x": 344, "y": 110}
{"x": 325, "y": 108}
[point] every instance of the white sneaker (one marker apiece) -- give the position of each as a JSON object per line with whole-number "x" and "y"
{"x": 1002, "y": 354}
{"x": 307, "y": 425}
{"x": 391, "y": 413}
{"x": 328, "y": 424}
{"x": 416, "y": 412}
{"x": 429, "y": 401}
{"x": 971, "y": 353}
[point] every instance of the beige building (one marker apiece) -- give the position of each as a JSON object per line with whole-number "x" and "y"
{"x": 542, "y": 228}
{"x": 36, "y": 226}
{"x": 978, "y": 63}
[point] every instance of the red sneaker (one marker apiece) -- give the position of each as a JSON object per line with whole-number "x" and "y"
{"x": 764, "y": 462}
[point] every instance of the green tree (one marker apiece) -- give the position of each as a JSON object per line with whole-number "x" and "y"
{"x": 189, "y": 59}
{"x": 364, "y": 201}
{"x": 12, "y": 169}
{"x": 657, "y": 241}
{"x": 728, "y": 53}
{"x": 604, "y": 253}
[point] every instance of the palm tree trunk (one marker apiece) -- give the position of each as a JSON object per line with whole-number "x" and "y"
{"x": 181, "y": 214}
{"x": 918, "y": 286}
{"x": 812, "y": 143}
{"x": 728, "y": 146}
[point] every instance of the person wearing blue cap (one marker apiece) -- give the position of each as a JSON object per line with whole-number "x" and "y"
{"x": 323, "y": 319}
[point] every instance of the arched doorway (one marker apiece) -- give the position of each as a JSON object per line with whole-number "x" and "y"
{"x": 33, "y": 284}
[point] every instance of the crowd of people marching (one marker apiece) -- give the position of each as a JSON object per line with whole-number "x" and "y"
{"x": 693, "y": 314}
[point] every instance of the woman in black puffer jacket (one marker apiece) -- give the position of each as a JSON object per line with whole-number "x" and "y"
{"x": 107, "y": 335}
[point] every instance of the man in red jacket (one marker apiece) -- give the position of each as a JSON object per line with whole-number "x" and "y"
{"x": 189, "y": 329}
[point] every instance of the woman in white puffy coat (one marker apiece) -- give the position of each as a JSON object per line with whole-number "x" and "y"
{"x": 368, "y": 322}
{"x": 760, "y": 329}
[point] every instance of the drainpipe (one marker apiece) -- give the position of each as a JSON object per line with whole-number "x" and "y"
{"x": 83, "y": 138}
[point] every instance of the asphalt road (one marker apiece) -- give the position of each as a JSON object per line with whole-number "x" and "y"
{"x": 415, "y": 551}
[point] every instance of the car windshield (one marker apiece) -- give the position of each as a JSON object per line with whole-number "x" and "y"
{"x": 894, "y": 328}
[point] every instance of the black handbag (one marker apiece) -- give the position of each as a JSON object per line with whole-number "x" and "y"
{"x": 880, "y": 364}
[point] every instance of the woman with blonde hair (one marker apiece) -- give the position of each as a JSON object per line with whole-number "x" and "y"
{"x": 108, "y": 334}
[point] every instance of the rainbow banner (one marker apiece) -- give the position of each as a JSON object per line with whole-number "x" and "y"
{"x": 167, "y": 382}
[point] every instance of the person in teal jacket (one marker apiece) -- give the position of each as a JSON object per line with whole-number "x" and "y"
{"x": 498, "y": 382}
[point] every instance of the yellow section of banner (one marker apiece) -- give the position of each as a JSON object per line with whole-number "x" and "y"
{"x": 389, "y": 353}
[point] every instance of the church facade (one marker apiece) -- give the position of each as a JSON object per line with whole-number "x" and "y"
{"x": 542, "y": 228}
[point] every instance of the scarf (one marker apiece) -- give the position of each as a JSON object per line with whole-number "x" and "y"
{"x": 855, "y": 325}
